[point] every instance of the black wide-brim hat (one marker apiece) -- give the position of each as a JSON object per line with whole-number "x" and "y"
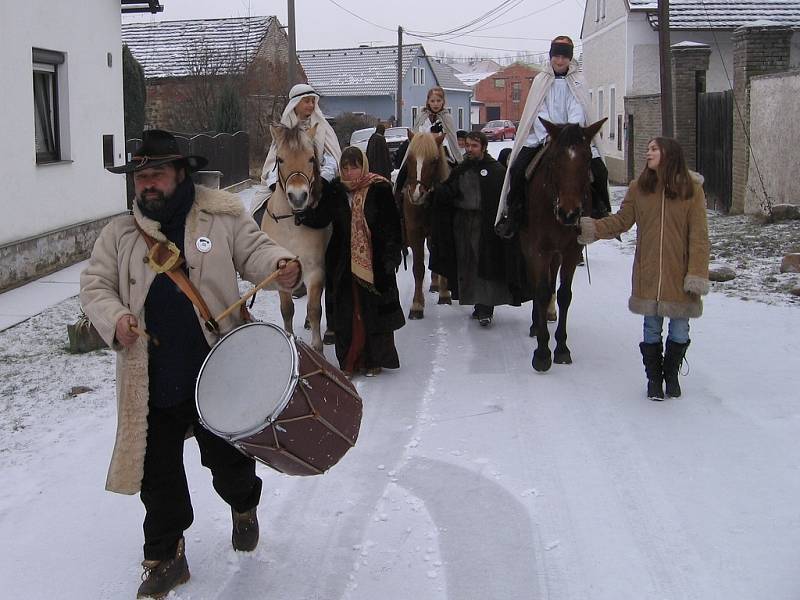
{"x": 159, "y": 147}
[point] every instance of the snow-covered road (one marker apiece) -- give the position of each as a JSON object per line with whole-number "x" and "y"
{"x": 474, "y": 477}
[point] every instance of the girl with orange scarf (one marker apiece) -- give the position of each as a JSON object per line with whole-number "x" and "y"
{"x": 364, "y": 253}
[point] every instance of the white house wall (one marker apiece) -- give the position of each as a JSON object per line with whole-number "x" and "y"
{"x": 40, "y": 199}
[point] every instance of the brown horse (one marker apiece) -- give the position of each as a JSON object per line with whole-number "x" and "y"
{"x": 299, "y": 187}
{"x": 557, "y": 195}
{"x": 425, "y": 165}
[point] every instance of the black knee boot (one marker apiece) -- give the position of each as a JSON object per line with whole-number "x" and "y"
{"x": 601, "y": 203}
{"x": 673, "y": 359}
{"x": 511, "y": 220}
{"x": 651, "y": 357}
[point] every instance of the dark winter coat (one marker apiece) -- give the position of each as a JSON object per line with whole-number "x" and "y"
{"x": 378, "y": 156}
{"x": 499, "y": 260}
{"x": 381, "y": 312}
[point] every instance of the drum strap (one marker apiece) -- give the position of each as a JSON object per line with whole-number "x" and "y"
{"x": 166, "y": 258}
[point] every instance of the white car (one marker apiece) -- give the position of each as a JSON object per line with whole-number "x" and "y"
{"x": 395, "y": 136}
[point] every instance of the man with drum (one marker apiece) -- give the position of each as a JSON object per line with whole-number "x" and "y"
{"x": 558, "y": 95}
{"x": 153, "y": 281}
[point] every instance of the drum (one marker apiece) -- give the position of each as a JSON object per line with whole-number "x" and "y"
{"x": 277, "y": 400}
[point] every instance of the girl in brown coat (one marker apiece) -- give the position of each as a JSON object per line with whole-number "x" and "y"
{"x": 670, "y": 267}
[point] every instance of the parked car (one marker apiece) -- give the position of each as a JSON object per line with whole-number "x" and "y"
{"x": 501, "y": 129}
{"x": 395, "y": 136}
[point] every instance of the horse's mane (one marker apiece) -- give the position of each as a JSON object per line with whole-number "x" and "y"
{"x": 424, "y": 147}
{"x": 294, "y": 139}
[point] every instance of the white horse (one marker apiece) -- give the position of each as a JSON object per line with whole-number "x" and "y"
{"x": 299, "y": 187}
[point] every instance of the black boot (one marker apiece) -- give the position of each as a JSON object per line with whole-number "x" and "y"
{"x": 651, "y": 357}
{"x": 673, "y": 359}
{"x": 245, "y": 530}
{"x": 162, "y": 576}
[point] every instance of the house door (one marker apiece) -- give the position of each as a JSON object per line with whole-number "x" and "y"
{"x": 715, "y": 147}
{"x": 492, "y": 113}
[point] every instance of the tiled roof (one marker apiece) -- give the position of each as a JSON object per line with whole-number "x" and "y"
{"x": 448, "y": 78}
{"x": 722, "y": 14}
{"x": 356, "y": 71}
{"x": 177, "y": 48}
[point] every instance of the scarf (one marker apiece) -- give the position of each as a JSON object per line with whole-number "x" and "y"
{"x": 360, "y": 235}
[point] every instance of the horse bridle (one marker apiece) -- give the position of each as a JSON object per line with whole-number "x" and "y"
{"x": 282, "y": 181}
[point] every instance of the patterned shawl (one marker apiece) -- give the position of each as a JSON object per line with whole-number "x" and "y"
{"x": 360, "y": 235}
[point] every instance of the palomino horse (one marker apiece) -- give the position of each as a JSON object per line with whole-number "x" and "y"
{"x": 425, "y": 166}
{"x": 299, "y": 187}
{"x": 557, "y": 194}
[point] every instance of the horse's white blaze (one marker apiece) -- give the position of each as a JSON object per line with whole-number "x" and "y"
{"x": 571, "y": 153}
{"x": 417, "y": 191}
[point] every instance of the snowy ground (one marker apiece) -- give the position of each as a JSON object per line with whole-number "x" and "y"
{"x": 473, "y": 477}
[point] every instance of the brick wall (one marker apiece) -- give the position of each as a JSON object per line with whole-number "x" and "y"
{"x": 646, "y": 112}
{"x": 486, "y": 91}
{"x": 689, "y": 66}
{"x": 757, "y": 50}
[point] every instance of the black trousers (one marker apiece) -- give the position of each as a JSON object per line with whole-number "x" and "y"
{"x": 165, "y": 492}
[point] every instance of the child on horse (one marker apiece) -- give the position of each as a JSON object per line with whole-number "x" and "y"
{"x": 670, "y": 268}
{"x": 558, "y": 95}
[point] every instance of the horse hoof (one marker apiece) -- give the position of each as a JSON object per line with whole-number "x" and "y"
{"x": 541, "y": 363}
{"x": 414, "y": 314}
{"x": 329, "y": 338}
{"x": 447, "y": 300}
{"x": 562, "y": 358}
{"x": 433, "y": 289}
{"x": 307, "y": 325}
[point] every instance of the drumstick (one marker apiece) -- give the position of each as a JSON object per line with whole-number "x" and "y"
{"x": 142, "y": 333}
{"x": 247, "y": 296}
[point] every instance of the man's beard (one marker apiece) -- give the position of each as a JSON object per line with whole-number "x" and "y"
{"x": 153, "y": 200}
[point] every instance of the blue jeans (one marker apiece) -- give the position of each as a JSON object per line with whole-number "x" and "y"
{"x": 678, "y": 330}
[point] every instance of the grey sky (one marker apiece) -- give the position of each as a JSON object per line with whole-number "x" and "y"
{"x": 323, "y": 24}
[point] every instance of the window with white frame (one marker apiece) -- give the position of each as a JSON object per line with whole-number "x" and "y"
{"x": 597, "y": 10}
{"x": 414, "y": 114}
{"x": 414, "y": 75}
{"x": 422, "y": 76}
{"x": 603, "y": 9}
{"x": 46, "y": 65}
{"x": 600, "y": 107}
{"x": 612, "y": 109}
{"x": 461, "y": 117}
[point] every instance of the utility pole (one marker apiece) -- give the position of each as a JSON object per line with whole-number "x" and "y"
{"x": 292, "y": 47}
{"x": 399, "y": 108}
{"x": 667, "y": 129}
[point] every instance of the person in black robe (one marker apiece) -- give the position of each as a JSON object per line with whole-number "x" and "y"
{"x": 378, "y": 155}
{"x": 364, "y": 253}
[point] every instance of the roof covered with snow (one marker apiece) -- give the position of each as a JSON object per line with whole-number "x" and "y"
{"x": 448, "y": 78}
{"x": 182, "y": 48}
{"x": 471, "y": 79}
{"x": 356, "y": 71}
{"x": 722, "y": 14}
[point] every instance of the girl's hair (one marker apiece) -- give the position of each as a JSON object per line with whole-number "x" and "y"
{"x": 351, "y": 157}
{"x": 671, "y": 171}
{"x": 435, "y": 90}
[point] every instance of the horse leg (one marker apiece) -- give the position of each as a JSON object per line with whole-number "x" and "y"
{"x": 434, "y": 283}
{"x": 314, "y": 313}
{"x": 552, "y": 315}
{"x": 532, "y": 330}
{"x": 539, "y": 274}
{"x": 418, "y": 268}
{"x": 444, "y": 291}
{"x": 562, "y": 354}
{"x": 287, "y": 310}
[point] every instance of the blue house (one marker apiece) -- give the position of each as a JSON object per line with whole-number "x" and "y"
{"x": 364, "y": 81}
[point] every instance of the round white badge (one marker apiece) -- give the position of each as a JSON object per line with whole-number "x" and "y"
{"x": 484, "y": 172}
{"x": 203, "y": 244}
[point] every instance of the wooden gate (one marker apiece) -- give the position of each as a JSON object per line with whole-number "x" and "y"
{"x": 715, "y": 147}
